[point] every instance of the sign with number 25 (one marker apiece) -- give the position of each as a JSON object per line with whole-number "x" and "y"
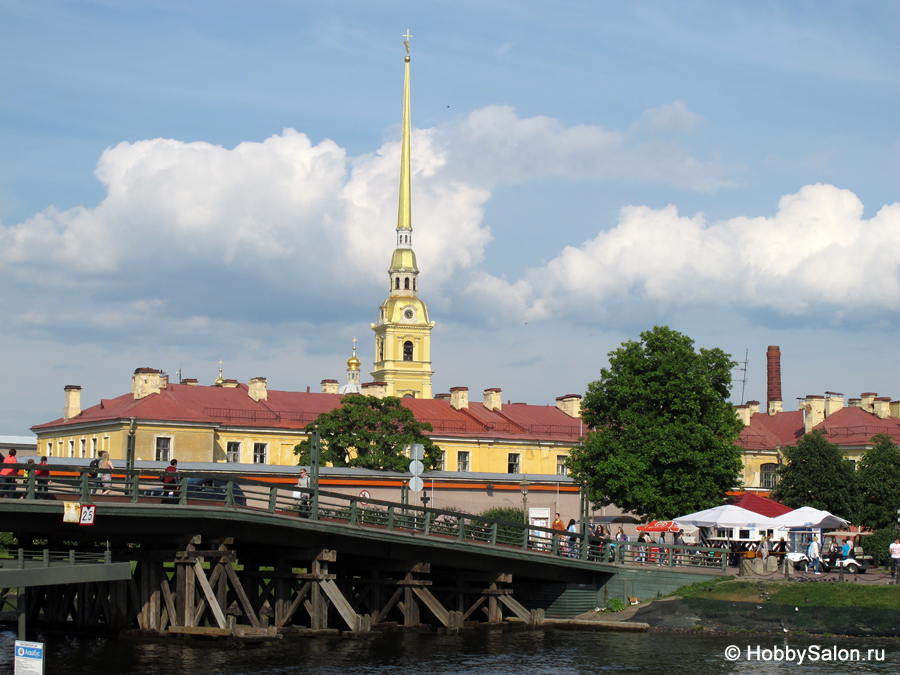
{"x": 87, "y": 514}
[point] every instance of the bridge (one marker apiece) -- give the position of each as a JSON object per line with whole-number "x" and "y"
{"x": 229, "y": 555}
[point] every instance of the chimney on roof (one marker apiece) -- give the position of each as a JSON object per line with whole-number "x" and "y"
{"x": 144, "y": 382}
{"x": 459, "y": 397}
{"x": 493, "y": 399}
{"x": 442, "y": 397}
{"x": 868, "y": 401}
{"x": 256, "y": 387}
{"x": 743, "y": 413}
{"x": 854, "y": 403}
{"x": 895, "y": 408}
{"x": 570, "y": 404}
{"x": 813, "y": 411}
{"x": 376, "y": 389}
{"x": 833, "y": 402}
{"x": 753, "y": 406}
{"x": 882, "y": 407}
{"x": 774, "y": 402}
{"x": 329, "y": 386}
{"x": 72, "y": 404}
{"x": 230, "y": 384}
{"x": 190, "y": 381}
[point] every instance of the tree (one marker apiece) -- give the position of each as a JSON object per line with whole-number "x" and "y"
{"x": 661, "y": 440}
{"x": 370, "y": 433}
{"x": 816, "y": 474}
{"x": 878, "y": 475}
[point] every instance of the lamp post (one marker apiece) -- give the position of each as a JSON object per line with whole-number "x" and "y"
{"x": 314, "y": 459}
{"x": 523, "y": 486}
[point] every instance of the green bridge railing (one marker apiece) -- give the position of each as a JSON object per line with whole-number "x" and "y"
{"x": 232, "y": 491}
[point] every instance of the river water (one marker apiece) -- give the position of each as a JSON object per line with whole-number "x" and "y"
{"x": 485, "y": 652}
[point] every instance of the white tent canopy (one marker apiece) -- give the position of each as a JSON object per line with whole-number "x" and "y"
{"x": 729, "y": 517}
{"x": 807, "y": 516}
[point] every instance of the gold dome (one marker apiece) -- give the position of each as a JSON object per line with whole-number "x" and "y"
{"x": 353, "y": 363}
{"x": 404, "y": 259}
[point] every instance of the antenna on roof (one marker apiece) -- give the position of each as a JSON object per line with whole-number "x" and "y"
{"x": 742, "y": 366}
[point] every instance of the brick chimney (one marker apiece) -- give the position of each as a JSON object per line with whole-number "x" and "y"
{"x": 774, "y": 402}
{"x": 256, "y": 387}
{"x": 459, "y": 397}
{"x": 376, "y": 389}
{"x": 814, "y": 411}
{"x": 144, "y": 382}
{"x": 570, "y": 404}
{"x": 190, "y": 381}
{"x": 329, "y": 386}
{"x": 72, "y": 404}
{"x": 493, "y": 399}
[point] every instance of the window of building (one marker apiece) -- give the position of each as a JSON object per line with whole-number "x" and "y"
{"x": 259, "y": 452}
{"x": 439, "y": 465}
{"x": 83, "y": 447}
{"x": 233, "y": 452}
{"x": 49, "y": 448}
{"x": 397, "y": 284}
{"x": 407, "y": 351}
{"x": 561, "y": 466}
{"x": 767, "y": 477}
{"x": 93, "y": 447}
{"x": 462, "y": 460}
{"x": 71, "y": 448}
{"x": 163, "y": 448}
{"x": 512, "y": 463}
{"x": 406, "y": 284}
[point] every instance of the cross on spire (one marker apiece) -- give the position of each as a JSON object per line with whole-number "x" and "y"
{"x": 406, "y": 41}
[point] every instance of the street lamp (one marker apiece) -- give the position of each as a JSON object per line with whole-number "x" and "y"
{"x": 523, "y": 486}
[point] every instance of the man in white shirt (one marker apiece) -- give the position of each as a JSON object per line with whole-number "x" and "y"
{"x": 813, "y": 554}
{"x": 895, "y": 557}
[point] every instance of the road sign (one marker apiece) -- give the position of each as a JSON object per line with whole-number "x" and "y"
{"x": 416, "y": 484}
{"x": 87, "y": 514}
{"x": 417, "y": 451}
{"x": 29, "y": 658}
{"x": 364, "y": 494}
{"x": 416, "y": 467}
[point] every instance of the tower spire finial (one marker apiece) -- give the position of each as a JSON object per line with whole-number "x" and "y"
{"x": 404, "y": 213}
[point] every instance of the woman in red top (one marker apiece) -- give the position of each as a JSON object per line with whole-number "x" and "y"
{"x": 8, "y": 474}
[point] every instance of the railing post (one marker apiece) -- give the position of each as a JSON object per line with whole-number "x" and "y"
{"x": 72, "y": 557}
{"x": 29, "y": 492}
{"x": 426, "y": 527}
{"x": 525, "y": 538}
{"x": 46, "y": 557}
{"x": 354, "y": 512}
{"x": 229, "y": 494}
{"x": 85, "y": 486}
{"x": 461, "y": 533}
{"x": 273, "y": 497}
{"x": 390, "y": 521}
{"x": 21, "y": 559}
{"x": 135, "y": 486}
{"x": 493, "y": 534}
{"x": 585, "y": 545}
{"x": 182, "y": 492}
{"x": 554, "y": 547}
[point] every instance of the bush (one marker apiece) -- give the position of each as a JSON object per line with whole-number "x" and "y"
{"x": 615, "y": 605}
{"x": 878, "y": 542}
{"x": 509, "y": 513}
{"x": 7, "y": 541}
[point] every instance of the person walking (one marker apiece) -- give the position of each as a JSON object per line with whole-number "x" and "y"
{"x": 621, "y": 538}
{"x": 302, "y": 494}
{"x": 8, "y": 474}
{"x": 812, "y": 553}
{"x": 895, "y": 557}
{"x": 572, "y": 529}
{"x": 42, "y": 476}
{"x": 559, "y": 525}
{"x": 106, "y": 466}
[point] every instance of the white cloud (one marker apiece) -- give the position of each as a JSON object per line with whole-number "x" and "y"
{"x": 817, "y": 259}
{"x": 669, "y": 119}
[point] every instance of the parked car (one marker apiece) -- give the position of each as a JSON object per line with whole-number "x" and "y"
{"x": 214, "y": 489}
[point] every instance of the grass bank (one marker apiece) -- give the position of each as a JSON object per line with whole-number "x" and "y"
{"x": 797, "y": 594}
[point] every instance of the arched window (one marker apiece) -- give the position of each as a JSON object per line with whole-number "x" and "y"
{"x": 398, "y": 283}
{"x": 407, "y": 351}
{"x": 406, "y": 283}
{"x": 414, "y": 284}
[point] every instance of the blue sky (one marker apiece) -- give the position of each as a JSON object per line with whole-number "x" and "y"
{"x": 187, "y": 182}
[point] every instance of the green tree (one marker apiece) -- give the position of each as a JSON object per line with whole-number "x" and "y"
{"x": 662, "y": 432}
{"x": 816, "y": 474}
{"x": 878, "y": 475}
{"x": 370, "y": 433}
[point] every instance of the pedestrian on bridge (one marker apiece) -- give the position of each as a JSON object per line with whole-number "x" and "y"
{"x": 106, "y": 479}
{"x": 558, "y": 524}
{"x": 8, "y": 474}
{"x": 302, "y": 494}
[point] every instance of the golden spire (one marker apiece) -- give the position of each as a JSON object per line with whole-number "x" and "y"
{"x": 353, "y": 362}
{"x": 404, "y": 215}
{"x": 219, "y": 380}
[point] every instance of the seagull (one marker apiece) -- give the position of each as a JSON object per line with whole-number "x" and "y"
{"x": 783, "y": 628}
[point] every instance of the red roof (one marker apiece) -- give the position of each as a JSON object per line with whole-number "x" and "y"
{"x": 761, "y": 505}
{"x": 851, "y": 426}
{"x": 232, "y": 406}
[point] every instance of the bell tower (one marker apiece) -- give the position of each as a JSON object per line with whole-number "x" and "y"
{"x": 403, "y": 331}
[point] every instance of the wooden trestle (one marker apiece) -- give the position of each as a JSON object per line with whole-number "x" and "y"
{"x": 204, "y": 590}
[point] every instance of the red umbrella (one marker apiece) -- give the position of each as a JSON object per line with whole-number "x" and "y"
{"x": 659, "y": 526}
